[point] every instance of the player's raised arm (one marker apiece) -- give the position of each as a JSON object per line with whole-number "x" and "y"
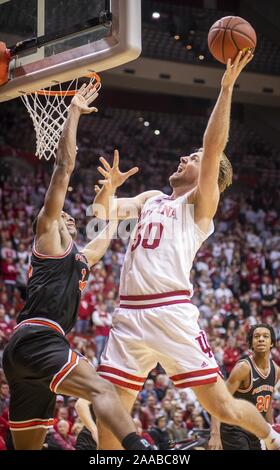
{"x": 105, "y": 203}
{"x": 65, "y": 160}
{"x": 95, "y": 249}
{"x": 215, "y": 139}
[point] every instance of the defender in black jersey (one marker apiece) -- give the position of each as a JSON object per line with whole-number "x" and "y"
{"x": 253, "y": 379}
{"x": 38, "y": 361}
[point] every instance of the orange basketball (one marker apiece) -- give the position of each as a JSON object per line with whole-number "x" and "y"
{"x": 228, "y": 36}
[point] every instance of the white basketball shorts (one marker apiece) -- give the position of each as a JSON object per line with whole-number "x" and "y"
{"x": 143, "y": 335}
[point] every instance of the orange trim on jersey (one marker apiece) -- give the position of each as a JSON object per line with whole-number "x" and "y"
{"x": 160, "y": 304}
{"x": 112, "y": 370}
{"x": 196, "y": 373}
{"x": 18, "y": 425}
{"x": 33, "y": 321}
{"x": 64, "y": 371}
{"x": 155, "y": 296}
{"x": 121, "y": 383}
{"x": 39, "y": 255}
{"x": 258, "y": 370}
{"x": 195, "y": 383}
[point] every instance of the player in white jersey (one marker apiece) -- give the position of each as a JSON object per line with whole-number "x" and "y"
{"x": 156, "y": 321}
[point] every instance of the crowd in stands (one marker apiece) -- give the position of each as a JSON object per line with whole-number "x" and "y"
{"x": 236, "y": 274}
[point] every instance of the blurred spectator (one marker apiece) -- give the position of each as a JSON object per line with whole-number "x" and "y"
{"x": 177, "y": 429}
{"x": 9, "y": 273}
{"x": 141, "y": 433}
{"x": 159, "y": 433}
{"x": 161, "y": 385}
{"x": 149, "y": 389}
{"x": 198, "y": 422}
{"x": 61, "y": 439}
{"x": 231, "y": 354}
{"x": 84, "y": 313}
{"x": 102, "y": 321}
{"x": 4, "y": 397}
{"x": 268, "y": 292}
{"x": 223, "y": 292}
{"x": 148, "y": 414}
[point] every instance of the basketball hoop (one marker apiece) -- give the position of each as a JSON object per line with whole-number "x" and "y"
{"x": 48, "y": 109}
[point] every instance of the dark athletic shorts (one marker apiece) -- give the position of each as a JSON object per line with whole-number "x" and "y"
{"x": 235, "y": 438}
{"x": 36, "y": 360}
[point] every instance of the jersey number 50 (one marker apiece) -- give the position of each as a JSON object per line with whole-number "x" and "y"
{"x": 148, "y": 236}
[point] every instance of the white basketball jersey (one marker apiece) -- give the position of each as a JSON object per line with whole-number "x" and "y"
{"x": 162, "y": 248}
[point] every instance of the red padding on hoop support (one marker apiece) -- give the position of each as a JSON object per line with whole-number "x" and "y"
{"x": 5, "y": 57}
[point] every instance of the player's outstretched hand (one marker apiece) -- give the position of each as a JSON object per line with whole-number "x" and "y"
{"x": 84, "y": 97}
{"x": 233, "y": 70}
{"x": 113, "y": 177}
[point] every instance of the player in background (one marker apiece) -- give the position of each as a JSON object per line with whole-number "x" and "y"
{"x": 38, "y": 361}
{"x": 253, "y": 378}
{"x": 156, "y": 321}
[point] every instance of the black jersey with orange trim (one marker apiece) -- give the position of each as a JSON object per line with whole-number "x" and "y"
{"x": 54, "y": 287}
{"x": 261, "y": 386}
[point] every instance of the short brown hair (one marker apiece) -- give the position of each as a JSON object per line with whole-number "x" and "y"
{"x": 225, "y": 173}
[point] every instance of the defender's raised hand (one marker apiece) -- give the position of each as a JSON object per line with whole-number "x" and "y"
{"x": 113, "y": 177}
{"x": 233, "y": 70}
{"x": 85, "y": 96}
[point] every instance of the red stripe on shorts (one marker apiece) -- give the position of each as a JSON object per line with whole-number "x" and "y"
{"x": 194, "y": 383}
{"x": 161, "y": 304}
{"x": 112, "y": 370}
{"x": 155, "y": 296}
{"x": 121, "y": 383}
{"x": 196, "y": 373}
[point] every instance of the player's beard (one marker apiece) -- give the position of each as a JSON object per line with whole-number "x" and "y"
{"x": 187, "y": 177}
{"x": 180, "y": 180}
{"x": 176, "y": 181}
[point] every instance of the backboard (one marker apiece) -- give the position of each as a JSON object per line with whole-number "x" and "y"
{"x": 64, "y": 39}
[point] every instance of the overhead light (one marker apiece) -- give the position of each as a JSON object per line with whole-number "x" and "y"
{"x": 189, "y": 47}
{"x": 146, "y": 123}
{"x": 201, "y": 57}
{"x": 177, "y": 37}
{"x": 156, "y": 15}
{"x": 157, "y": 132}
{"x": 70, "y": 188}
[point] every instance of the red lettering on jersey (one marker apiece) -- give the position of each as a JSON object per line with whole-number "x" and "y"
{"x": 163, "y": 209}
{"x": 82, "y": 282}
{"x": 168, "y": 211}
{"x": 155, "y": 236}
{"x": 203, "y": 343}
{"x": 137, "y": 238}
{"x": 149, "y": 238}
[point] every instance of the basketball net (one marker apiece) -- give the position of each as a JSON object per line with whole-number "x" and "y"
{"x": 48, "y": 109}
